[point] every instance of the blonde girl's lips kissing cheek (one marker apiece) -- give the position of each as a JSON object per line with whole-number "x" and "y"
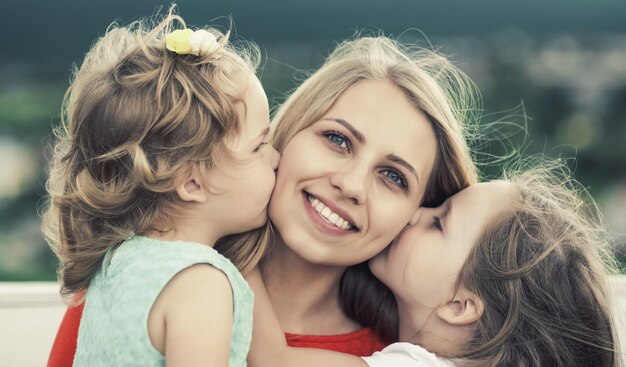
{"x": 327, "y": 216}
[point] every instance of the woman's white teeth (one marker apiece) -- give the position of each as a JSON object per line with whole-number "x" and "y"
{"x": 328, "y": 214}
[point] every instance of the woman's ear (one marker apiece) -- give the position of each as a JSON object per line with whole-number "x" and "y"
{"x": 190, "y": 188}
{"x": 466, "y": 308}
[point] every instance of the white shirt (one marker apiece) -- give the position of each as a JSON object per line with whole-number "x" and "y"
{"x": 406, "y": 355}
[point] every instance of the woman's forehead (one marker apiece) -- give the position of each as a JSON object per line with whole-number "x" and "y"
{"x": 388, "y": 120}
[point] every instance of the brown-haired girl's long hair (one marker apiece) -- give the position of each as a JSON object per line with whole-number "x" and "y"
{"x": 435, "y": 87}
{"x": 135, "y": 117}
{"x": 542, "y": 274}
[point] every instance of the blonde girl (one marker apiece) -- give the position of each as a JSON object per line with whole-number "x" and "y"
{"x": 163, "y": 150}
{"x": 504, "y": 273}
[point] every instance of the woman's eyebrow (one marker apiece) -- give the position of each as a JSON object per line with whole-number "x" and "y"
{"x": 357, "y": 134}
{"x": 395, "y": 159}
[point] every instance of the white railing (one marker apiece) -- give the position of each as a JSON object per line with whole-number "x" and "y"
{"x": 30, "y": 313}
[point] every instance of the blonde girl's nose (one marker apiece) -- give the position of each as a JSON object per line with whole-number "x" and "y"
{"x": 274, "y": 158}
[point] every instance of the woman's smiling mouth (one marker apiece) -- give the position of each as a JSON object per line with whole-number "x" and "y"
{"x": 329, "y": 215}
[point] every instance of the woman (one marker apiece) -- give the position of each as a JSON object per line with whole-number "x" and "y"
{"x": 304, "y": 270}
{"x": 376, "y": 132}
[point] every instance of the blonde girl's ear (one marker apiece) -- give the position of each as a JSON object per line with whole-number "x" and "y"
{"x": 190, "y": 187}
{"x": 466, "y": 308}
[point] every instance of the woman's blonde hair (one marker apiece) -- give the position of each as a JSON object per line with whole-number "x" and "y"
{"x": 542, "y": 272}
{"x": 434, "y": 86}
{"x": 430, "y": 82}
{"x": 135, "y": 117}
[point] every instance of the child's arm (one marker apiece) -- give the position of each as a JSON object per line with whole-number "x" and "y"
{"x": 197, "y": 309}
{"x": 269, "y": 347}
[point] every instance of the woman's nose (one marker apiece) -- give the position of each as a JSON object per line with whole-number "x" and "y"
{"x": 352, "y": 182}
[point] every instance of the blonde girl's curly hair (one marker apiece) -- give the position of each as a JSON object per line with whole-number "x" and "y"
{"x": 134, "y": 118}
{"x": 542, "y": 272}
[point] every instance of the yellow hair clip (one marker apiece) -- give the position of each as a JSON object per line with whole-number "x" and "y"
{"x": 185, "y": 41}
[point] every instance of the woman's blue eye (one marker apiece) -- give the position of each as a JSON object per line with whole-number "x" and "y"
{"x": 395, "y": 178}
{"x": 338, "y": 140}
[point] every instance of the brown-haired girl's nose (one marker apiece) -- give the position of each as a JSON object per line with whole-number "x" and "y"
{"x": 416, "y": 217}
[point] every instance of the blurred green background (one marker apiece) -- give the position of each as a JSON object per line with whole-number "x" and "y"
{"x": 564, "y": 60}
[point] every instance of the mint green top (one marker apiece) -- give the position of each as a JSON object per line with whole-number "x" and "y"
{"x": 114, "y": 326}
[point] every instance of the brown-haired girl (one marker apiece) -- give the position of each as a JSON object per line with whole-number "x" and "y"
{"x": 163, "y": 150}
{"x": 504, "y": 273}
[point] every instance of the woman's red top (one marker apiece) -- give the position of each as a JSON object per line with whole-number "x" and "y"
{"x": 359, "y": 343}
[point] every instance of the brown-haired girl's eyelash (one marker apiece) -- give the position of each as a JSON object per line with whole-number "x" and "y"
{"x": 437, "y": 219}
{"x": 437, "y": 223}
